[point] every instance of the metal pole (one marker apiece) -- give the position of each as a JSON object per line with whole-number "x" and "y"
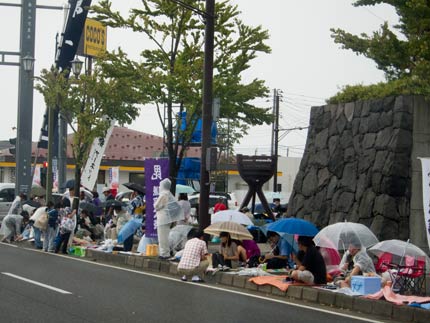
{"x": 276, "y": 141}
{"x": 204, "y": 220}
{"x": 25, "y": 100}
{"x": 49, "y": 178}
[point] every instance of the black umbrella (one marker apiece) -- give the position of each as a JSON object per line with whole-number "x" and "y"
{"x": 135, "y": 187}
{"x": 90, "y": 207}
{"x": 112, "y": 203}
{"x": 70, "y": 183}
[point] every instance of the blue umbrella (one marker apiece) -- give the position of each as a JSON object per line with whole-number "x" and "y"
{"x": 293, "y": 226}
{"x": 129, "y": 228}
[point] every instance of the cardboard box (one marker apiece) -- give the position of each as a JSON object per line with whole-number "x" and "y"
{"x": 365, "y": 285}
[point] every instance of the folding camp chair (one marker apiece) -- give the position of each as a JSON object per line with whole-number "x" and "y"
{"x": 411, "y": 276}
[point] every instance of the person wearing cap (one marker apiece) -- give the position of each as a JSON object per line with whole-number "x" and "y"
{"x": 107, "y": 193}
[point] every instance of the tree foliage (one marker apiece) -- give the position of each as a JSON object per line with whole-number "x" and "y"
{"x": 403, "y": 54}
{"x": 89, "y": 103}
{"x": 171, "y": 71}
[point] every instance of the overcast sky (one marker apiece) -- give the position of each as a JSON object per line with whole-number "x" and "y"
{"x": 305, "y": 63}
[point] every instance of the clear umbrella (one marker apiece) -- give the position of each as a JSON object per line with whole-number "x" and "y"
{"x": 400, "y": 250}
{"x": 231, "y": 215}
{"x": 341, "y": 234}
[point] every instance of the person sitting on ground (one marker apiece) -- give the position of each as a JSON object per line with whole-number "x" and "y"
{"x": 277, "y": 208}
{"x": 277, "y": 258}
{"x": 193, "y": 261}
{"x": 312, "y": 269}
{"x": 228, "y": 255}
{"x": 243, "y": 258}
{"x": 220, "y": 205}
{"x": 358, "y": 262}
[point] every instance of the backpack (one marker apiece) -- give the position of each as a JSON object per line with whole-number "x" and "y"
{"x": 52, "y": 218}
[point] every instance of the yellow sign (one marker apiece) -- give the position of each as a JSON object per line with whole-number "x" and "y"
{"x": 95, "y": 38}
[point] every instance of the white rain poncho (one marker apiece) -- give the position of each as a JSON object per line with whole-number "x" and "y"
{"x": 168, "y": 209}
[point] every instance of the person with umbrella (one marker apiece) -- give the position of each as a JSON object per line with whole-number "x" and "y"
{"x": 355, "y": 261}
{"x": 278, "y": 257}
{"x": 312, "y": 269}
{"x": 228, "y": 255}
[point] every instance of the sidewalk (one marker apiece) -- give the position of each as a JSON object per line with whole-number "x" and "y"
{"x": 380, "y": 308}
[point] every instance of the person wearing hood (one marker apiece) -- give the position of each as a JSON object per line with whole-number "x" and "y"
{"x": 168, "y": 211}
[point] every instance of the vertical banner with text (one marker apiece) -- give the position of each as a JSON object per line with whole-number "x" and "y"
{"x": 155, "y": 171}
{"x": 36, "y": 177}
{"x": 425, "y": 162}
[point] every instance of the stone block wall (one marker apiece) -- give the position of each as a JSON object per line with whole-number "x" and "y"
{"x": 357, "y": 166}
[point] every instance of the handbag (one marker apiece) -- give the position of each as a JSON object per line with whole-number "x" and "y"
{"x": 41, "y": 222}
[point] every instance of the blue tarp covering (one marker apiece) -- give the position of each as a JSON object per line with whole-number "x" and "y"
{"x": 196, "y": 137}
{"x": 190, "y": 170}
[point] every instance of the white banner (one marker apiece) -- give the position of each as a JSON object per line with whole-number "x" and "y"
{"x": 36, "y": 176}
{"x": 91, "y": 170}
{"x": 425, "y": 162}
{"x": 114, "y": 178}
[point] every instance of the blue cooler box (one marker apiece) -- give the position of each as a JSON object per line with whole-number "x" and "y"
{"x": 365, "y": 285}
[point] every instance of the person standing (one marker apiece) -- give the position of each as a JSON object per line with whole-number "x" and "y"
{"x": 67, "y": 226}
{"x": 16, "y": 207}
{"x": 168, "y": 211}
{"x": 51, "y": 230}
{"x": 37, "y": 228}
{"x": 186, "y": 207}
{"x": 220, "y": 205}
{"x": 193, "y": 261}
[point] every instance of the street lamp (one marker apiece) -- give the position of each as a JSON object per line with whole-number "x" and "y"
{"x": 28, "y": 63}
{"x": 77, "y": 66}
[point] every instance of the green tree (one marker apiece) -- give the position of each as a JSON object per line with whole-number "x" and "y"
{"x": 403, "y": 54}
{"x": 173, "y": 68}
{"x": 89, "y": 103}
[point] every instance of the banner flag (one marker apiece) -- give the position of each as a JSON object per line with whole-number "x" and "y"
{"x": 425, "y": 163}
{"x": 155, "y": 171}
{"x": 91, "y": 170}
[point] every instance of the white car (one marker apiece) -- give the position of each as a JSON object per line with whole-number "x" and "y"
{"x": 7, "y": 195}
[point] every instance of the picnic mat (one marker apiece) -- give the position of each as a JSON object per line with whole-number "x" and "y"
{"x": 277, "y": 281}
{"x": 397, "y": 299}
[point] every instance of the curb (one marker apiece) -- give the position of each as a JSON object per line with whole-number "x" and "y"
{"x": 307, "y": 294}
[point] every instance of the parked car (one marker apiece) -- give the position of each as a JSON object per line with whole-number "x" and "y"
{"x": 231, "y": 201}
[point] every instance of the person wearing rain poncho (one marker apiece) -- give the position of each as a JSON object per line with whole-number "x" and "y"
{"x": 167, "y": 211}
{"x": 355, "y": 261}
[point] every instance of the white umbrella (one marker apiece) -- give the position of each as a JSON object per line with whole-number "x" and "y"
{"x": 231, "y": 215}
{"x": 341, "y": 234}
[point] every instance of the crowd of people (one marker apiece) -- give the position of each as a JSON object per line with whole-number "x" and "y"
{"x": 56, "y": 226}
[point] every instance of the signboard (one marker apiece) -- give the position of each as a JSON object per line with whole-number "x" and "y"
{"x": 425, "y": 162}
{"x": 94, "y": 38}
{"x": 91, "y": 169}
{"x": 155, "y": 171}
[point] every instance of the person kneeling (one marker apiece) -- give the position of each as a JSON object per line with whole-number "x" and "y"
{"x": 193, "y": 261}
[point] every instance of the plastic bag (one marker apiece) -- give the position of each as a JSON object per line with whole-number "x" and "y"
{"x": 67, "y": 225}
{"x": 174, "y": 210}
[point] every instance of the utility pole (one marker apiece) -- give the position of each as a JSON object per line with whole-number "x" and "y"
{"x": 204, "y": 219}
{"x": 276, "y": 138}
{"x": 25, "y": 91}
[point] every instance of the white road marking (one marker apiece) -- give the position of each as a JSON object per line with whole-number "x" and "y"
{"x": 58, "y": 290}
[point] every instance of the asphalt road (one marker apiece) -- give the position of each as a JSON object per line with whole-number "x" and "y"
{"x": 87, "y": 292}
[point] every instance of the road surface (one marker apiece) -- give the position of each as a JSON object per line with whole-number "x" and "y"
{"x": 41, "y": 287}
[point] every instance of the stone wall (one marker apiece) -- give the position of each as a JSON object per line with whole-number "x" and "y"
{"x": 357, "y": 166}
